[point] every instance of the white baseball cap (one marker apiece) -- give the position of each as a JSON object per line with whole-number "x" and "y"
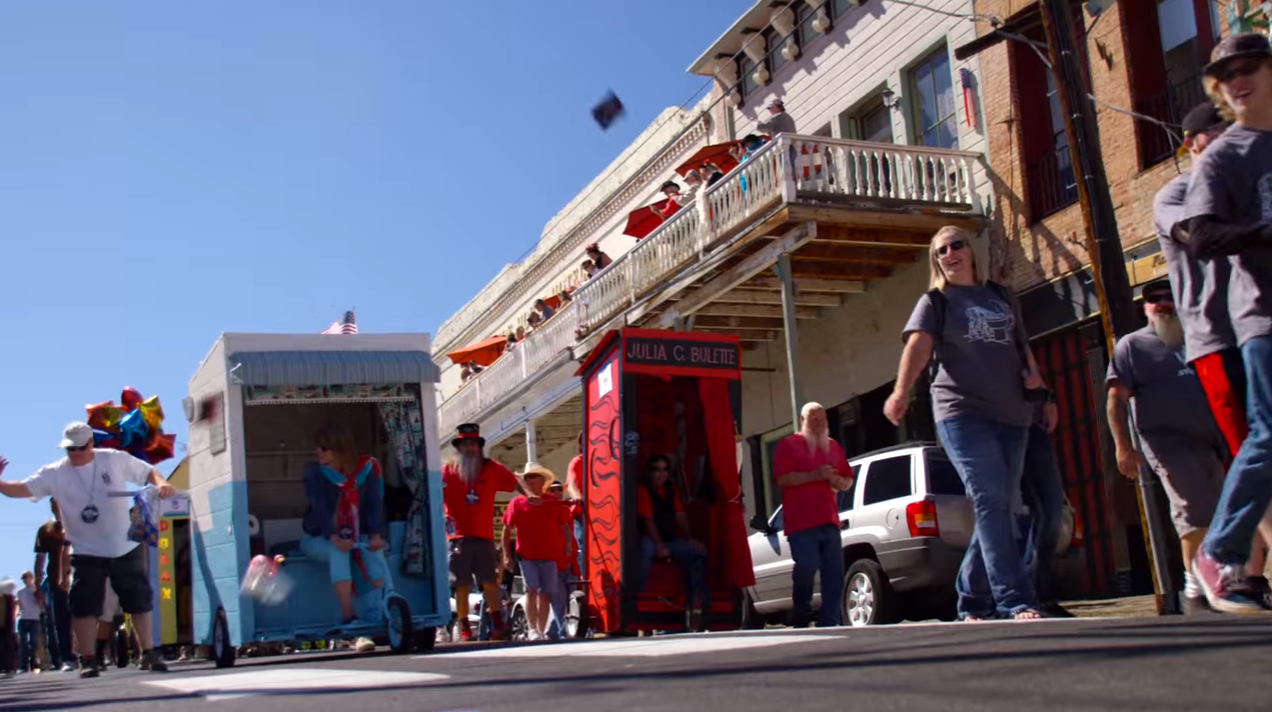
{"x": 76, "y": 435}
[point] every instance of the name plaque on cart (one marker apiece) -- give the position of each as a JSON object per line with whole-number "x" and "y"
{"x": 681, "y": 353}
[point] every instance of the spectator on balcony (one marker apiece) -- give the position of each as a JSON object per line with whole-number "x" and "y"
{"x": 475, "y": 368}
{"x": 746, "y": 148}
{"x": 589, "y": 270}
{"x": 465, "y": 374}
{"x": 671, "y": 190}
{"x": 544, "y": 309}
{"x": 521, "y": 334}
{"x": 567, "y": 295}
{"x": 512, "y": 341}
{"x": 534, "y": 320}
{"x": 713, "y": 172}
{"x": 779, "y": 122}
{"x": 693, "y": 179}
{"x": 600, "y": 260}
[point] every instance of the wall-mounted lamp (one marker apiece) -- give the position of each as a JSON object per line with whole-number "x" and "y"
{"x": 890, "y": 99}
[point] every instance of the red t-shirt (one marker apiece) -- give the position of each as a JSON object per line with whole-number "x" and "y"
{"x": 645, "y": 506}
{"x": 538, "y": 529}
{"x": 811, "y": 504}
{"x": 574, "y": 481}
{"x": 472, "y": 510}
{"x": 571, "y": 511}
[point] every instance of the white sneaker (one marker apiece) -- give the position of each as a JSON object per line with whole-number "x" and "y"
{"x": 364, "y": 645}
{"x": 534, "y": 635}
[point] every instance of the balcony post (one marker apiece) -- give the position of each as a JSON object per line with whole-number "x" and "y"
{"x": 521, "y": 356}
{"x": 783, "y": 269}
{"x": 787, "y": 159}
{"x": 532, "y": 451}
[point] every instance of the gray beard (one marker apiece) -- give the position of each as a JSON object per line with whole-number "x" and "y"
{"x": 469, "y": 467}
{"x": 1168, "y": 328}
{"x": 817, "y": 441}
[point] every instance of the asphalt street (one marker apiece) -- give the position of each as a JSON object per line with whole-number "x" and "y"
{"x": 1162, "y": 664}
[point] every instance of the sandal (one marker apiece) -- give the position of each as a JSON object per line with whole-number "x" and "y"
{"x": 969, "y": 618}
{"x": 1026, "y": 614}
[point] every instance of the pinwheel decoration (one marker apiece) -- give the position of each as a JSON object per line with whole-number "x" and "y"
{"x": 134, "y": 426}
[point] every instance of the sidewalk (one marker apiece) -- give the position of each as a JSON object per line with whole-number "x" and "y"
{"x": 1129, "y": 607}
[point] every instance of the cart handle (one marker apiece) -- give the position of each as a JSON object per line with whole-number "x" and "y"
{"x": 134, "y": 493}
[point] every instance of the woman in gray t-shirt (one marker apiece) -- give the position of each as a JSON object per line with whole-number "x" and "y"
{"x": 982, "y": 416}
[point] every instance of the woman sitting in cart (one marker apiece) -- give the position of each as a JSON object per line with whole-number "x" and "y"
{"x": 346, "y": 506}
{"x": 666, "y": 535}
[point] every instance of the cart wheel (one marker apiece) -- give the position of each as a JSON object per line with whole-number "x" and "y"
{"x": 520, "y": 624}
{"x": 576, "y": 619}
{"x": 399, "y": 623}
{"x": 425, "y": 639}
{"x": 222, "y": 646}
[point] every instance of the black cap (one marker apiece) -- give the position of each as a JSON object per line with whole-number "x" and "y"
{"x": 1157, "y": 285}
{"x": 671, "y": 184}
{"x": 1240, "y": 46}
{"x": 1203, "y": 118}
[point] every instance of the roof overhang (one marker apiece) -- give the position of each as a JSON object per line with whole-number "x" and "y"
{"x": 1020, "y": 22}
{"x": 331, "y": 368}
{"x": 731, "y": 42}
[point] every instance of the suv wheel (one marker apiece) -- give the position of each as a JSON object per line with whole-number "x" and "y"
{"x": 867, "y": 596}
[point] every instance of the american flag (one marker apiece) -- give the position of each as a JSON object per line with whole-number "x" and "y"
{"x": 348, "y": 325}
{"x": 965, "y": 78}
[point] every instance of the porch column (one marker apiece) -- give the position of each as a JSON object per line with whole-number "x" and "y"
{"x": 783, "y": 270}
{"x": 532, "y": 453}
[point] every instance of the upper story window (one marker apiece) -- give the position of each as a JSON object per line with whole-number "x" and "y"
{"x": 932, "y": 101}
{"x": 1049, "y": 178}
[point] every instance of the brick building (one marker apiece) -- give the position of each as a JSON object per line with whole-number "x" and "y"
{"x": 1140, "y": 56}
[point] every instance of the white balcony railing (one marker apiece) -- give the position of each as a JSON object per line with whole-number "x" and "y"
{"x": 789, "y": 169}
{"x": 504, "y": 375}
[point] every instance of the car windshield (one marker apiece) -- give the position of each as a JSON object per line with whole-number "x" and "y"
{"x": 942, "y": 477}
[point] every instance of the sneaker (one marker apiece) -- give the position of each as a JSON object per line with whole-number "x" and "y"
{"x": 152, "y": 662}
{"x": 500, "y": 632}
{"x": 465, "y": 632}
{"x": 1258, "y": 585}
{"x": 89, "y": 671}
{"x": 67, "y": 667}
{"x": 363, "y": 645}
{"x": 1224, "y": 585}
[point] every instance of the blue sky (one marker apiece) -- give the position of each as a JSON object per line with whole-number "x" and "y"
{"x": 171, "y": 171}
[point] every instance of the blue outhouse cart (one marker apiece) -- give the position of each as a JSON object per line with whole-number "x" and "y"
{"x": 254, "y": 406}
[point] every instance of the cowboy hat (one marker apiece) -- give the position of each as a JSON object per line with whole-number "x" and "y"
{"x": 534, "y": 468}
{"x": 468, "y": 431}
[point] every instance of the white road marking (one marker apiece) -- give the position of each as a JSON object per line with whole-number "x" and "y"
{"x": 641, "y": 647}
{"x": 229, "y": 686}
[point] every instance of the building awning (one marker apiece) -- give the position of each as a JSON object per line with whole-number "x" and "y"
{"x": 1019, "y": 23}
{"x": 330, "y": 368}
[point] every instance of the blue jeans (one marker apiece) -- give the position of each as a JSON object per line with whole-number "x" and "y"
{"x": 578, "y": 541}
{"x": 28, "y": 631}
{"x": 1043, "y": 491}
{"x": 989, "y": 458}
{"x": 340, "y": 563}
{"x": 1247, "y": 489}
{"x": 813, "y": 550}
{"x": 691, "y": 561}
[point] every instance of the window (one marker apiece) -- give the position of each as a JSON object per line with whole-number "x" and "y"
{"x": 942, "y": 477}
{"x": 873, "y": 122}
{"x": 774, "y": 42}
{"x": 1050, "y": 181}
{"x": 804, "y": 31}
{"x": 932, "y": 101}
{"x": 844, "y": 499}
{"x": 746, "y": 80}
{"x": 887, "y": 479}
{"x": 1167, "y": 45}
{"x": 839, "y": 8}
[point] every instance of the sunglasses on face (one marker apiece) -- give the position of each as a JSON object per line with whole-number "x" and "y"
{"x": 954, "y": 246}
{"x": 1158, "y": 297}
{"x": 1233, "y": 70}
{"x": 81, "y": 448}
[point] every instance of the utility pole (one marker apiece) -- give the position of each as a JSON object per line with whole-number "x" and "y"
{"x": 1104, "y": 244}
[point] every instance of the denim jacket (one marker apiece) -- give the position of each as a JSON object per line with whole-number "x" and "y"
{"x": 324, "y": 496}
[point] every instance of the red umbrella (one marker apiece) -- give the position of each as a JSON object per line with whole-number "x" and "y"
{"x": 642, "y": 221}
{"x": 717, "y": 153}
{"x": 553, "y": 301}
{"x": 484, "y": 352}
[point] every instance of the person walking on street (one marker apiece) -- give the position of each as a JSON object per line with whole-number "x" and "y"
{"x": 1043, "y": 492}
{"x": 986, "y": 378}
{"x": 543, "y": 535}
{"x": 1149, "y": 370}
{"x": 53, "y": 570}
{"x": 1226, "y": 215}
{"x": 30, "y": 614}
{"x": 810, "y": 467}
{"x": 87, "y": 484}
{"x": 469, "y": 484}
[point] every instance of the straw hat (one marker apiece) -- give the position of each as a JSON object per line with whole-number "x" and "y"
{"x": 534, "y": 468}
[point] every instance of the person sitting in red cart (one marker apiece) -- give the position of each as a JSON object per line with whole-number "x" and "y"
{"x": 469, "y": 483}
{"x": 543, "y": 541}
{"x": 667, "y": 536}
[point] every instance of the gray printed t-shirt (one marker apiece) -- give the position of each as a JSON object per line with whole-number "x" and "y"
{"x": 1166, "y": 396}
{"x": 1232, "y": 181}
{"x": 979, "y": 356}
{"x": 1201, "y": 288}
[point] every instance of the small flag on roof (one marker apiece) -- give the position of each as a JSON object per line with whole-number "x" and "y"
{"x": 349, "y": 325}
{"x": 608, "y": 111}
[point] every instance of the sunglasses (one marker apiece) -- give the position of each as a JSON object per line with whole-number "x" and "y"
{"x": 1158, "y": 297}
{"x": 954, "y": 246}
{"x": 1232, "y": 70}
{"x": 81, "y": 448}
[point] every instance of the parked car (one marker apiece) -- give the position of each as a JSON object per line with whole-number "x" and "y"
{"x": 905, "y": 525}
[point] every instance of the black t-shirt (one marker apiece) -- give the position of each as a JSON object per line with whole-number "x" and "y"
{"x": 50, "y": 541}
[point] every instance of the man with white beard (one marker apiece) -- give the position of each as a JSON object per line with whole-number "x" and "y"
{"x": 1186, "y": 451}
{"x": 810, "y": 468}
{"x": 469, "y": 483}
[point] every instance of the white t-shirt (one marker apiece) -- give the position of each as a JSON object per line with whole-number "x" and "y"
{"x": 75, "y": 488}
{"x": 29, "y": 607}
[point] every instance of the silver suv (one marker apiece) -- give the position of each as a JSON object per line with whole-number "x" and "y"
{"x": 905, "y": 525}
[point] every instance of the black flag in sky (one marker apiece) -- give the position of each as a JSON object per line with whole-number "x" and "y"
{"x": 608, "y": 111}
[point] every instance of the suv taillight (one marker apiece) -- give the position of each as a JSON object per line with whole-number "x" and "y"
{"x": 921, "y": 516}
